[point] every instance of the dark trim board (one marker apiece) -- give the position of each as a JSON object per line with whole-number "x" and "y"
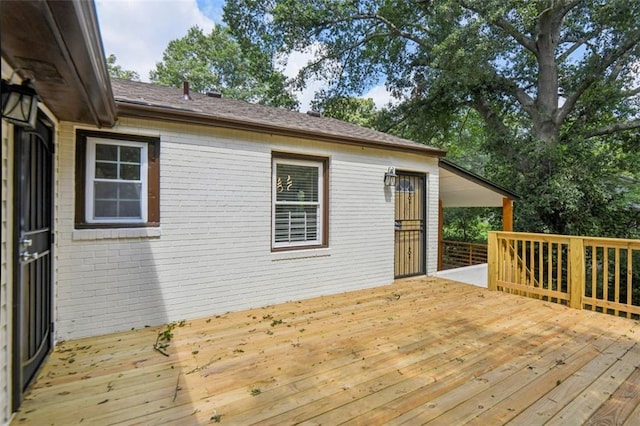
{"x": 153, "y": 172}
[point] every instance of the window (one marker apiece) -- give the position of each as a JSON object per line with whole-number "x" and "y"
{"x": 405, "y": 185}
{"x": 117, "y": 180}
{"x": 300, "y": 207}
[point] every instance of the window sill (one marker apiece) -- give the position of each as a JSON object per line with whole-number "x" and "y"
{"x": 116, "y": 233}
{"x": 277, "y": 256}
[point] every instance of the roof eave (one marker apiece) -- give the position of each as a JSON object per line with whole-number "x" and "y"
{"x": 58, "y": 45}
{"x": 139, "y": 110}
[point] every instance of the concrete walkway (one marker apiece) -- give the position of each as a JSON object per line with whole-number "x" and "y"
{"x": 476, "y": 275}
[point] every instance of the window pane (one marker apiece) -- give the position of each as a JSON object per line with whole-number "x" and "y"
{"x": 129, "y": 172}
{"x": 115, "y": 200}
{"x": 106, "y": 190}
{"x": 130, "y": 154}
{"x": 296, "y": 223}
{"x": 129, "y": 191}
{"x": 296, "y": 183}
{"x": 405, "y": 185}
{"x": 106, "y": 152}
{"x": 129, "y": 209}
{"x": 105, "y": 209}
{"x": 106, "y": 170}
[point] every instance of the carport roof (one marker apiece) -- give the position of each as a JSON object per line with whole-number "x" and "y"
{"x": 462, "y": 188}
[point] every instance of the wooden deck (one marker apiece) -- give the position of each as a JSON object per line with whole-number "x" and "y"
{"x": 418, "y": 351}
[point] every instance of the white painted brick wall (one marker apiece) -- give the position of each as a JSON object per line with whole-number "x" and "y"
{"x": 213, "y": 254}
{"x": 433, "y": 194}
{"x": 5, "y": 263}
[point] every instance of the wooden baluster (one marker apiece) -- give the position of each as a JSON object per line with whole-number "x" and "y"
{"x": 629, "y": 279}
{"x": 617, "y": 280}
{"x": 494, "y": 261}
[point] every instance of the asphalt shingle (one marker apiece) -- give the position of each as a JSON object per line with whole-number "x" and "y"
{"x": 257, "y": 116}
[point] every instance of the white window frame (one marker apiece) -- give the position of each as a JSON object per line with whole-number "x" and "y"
{"x": 319, "y": 204}
{"x": 90, "y": 179}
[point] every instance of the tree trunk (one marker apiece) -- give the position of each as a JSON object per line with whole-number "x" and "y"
{"x": 545, "y": 126}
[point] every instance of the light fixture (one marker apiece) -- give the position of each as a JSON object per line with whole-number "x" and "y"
{"x": 390, "y": 177}
{"x": 20, "y": 103}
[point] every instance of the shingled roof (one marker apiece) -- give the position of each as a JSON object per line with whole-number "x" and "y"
{"x": 168, "y": 103}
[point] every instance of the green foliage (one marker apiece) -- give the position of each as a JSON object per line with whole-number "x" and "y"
{"x": 574, "y": 188}
{"x": 215, "y": 62}
{"x": 276, "y": 322}
{"x": 116, "y": 71}
{"x": 540, "y": 96}
{"x": 354, "y": 110}
{"x": 470, "y": 224}
{"x": 164, "y": 337}
{"x": 167, "y": 334}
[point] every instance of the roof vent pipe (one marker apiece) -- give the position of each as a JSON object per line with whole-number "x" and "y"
{"x": 185, "y": 91}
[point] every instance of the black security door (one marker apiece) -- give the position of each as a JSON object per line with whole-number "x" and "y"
{"x": 32, "y": 293}
{"x": 410, "y": 199}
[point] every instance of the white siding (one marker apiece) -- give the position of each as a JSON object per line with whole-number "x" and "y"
{"x": 433, "y": 195}
{"x": 5, "y": 266}
{"x": 5, "y": 276}
{"x": 213, "y": 253}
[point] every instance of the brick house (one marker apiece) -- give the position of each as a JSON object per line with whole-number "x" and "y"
{"x": 246, "y": 205}
{"x": 131, "y": 204}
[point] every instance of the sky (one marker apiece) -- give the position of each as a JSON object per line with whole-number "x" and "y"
{"x": 138, "y": 31}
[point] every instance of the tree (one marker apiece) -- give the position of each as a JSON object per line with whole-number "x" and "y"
{"x": 555, "y": 83}
{"x": 116, "y": 71}
{"x": 470, "y": 224}
{"x": 347, "y": 108}
{"x": 215, "y": 62}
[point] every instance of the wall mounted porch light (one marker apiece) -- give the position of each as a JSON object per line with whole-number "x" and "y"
{"x": 390, "y": 177}
{"x": 20, "y": 103}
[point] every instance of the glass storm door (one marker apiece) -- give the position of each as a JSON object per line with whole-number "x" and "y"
{"x": 32, "y": 292}
{"x": 410, "y": 200}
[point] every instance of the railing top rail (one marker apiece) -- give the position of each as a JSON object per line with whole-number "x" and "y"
{"x": 531, "y": 236}
{"x": 612, "y": 242}
{"x": 598, "y": 241}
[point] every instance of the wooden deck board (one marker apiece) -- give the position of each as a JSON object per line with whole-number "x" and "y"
{"x": 582, "y": 394}
{"x": 634, "y": 417}
{"x": 447, "y": 374}
{"x": 419, "y": 357}
{"x": 531, "y": 387}
{"x": 421, "y": 350}
{"x": 622, "y": 403}
{"x": 542, "y": 344}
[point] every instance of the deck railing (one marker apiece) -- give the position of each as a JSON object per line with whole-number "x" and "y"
{"x": 456, "y": 254}
{"x": 599, "y": 274}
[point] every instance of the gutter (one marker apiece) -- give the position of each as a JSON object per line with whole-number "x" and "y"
{"x": 75, "y": 20}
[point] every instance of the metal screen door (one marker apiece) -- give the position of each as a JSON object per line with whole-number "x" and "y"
{"x": 32, "y": 293}
{"x": 410, "y": 200}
